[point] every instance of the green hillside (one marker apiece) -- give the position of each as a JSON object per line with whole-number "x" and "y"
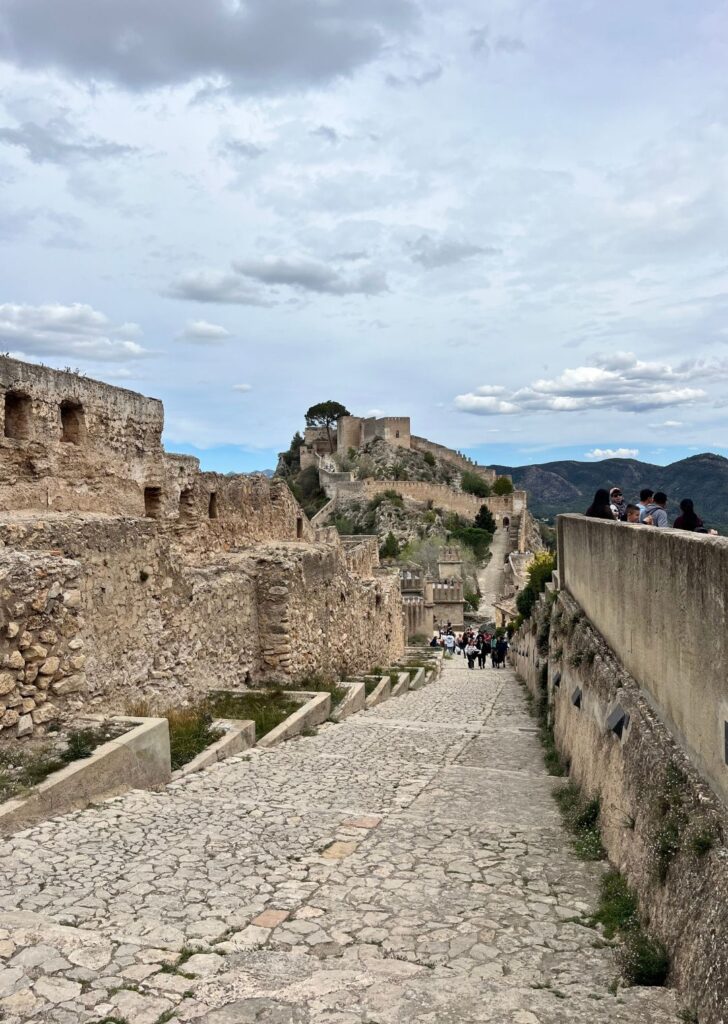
{"x": 569, "y": 486}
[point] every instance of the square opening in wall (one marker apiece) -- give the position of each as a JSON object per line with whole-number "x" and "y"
{"x": 152, "y": 502}
{"x": 576, "y": 697}
{"x": 18, "y": 411}
{"x": 187, "y": 504}
{"x": 617, "y": 721}
{"x": 73, "y": 423}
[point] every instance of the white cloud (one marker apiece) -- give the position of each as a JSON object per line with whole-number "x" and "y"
{"x": 611, "y": 453}
{"x": 202, "y": 332}
{"x": 618, "y": 382}
{"x": 669, "y": 424}
{"x": 77, "y": 331}
{"x": 242, "y": 388}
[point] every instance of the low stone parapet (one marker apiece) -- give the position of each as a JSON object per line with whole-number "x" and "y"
{"x": 140, "y": 759}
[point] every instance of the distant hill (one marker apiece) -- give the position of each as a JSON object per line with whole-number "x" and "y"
{"x": 569, "y": 486}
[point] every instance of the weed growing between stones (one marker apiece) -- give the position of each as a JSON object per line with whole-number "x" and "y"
{"x": 190, "y": 729}
{"x": 671, "y": 820}
{"x": 581, "y": 818}
{"x": 266, "y": 708}
{"x": 319, "y": 684}
{"x": 19, "y": 770}
{"x": 555, "y": 764}
{"x": 688, "y": 1016}
{"x": 642, "y": 960}
{"x": 702, "y": 842}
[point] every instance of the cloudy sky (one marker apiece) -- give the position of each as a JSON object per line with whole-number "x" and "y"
{"x": 507, "y": 219}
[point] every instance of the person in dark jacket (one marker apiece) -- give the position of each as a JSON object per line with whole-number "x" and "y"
{"x": 600, "y": 508}
{"x": 689, "y": 518}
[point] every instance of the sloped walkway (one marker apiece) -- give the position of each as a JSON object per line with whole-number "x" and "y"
{"x": 406, "y": 866}
{"x": 490, "y": 578}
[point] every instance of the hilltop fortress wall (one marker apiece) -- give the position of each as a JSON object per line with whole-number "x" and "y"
{"x": 343, "y": 486}
{"x": 126, "y": 573}
{"x": 627, "y": 654}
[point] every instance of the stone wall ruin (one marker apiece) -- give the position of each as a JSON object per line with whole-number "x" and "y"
{"x": 126, "y": 573}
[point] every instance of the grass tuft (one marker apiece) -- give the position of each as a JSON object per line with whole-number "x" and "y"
{"x": 581, "y": 818}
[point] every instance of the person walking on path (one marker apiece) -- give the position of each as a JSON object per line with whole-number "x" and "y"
{"x": 470, "y": 653}
{"x": 501, "y": 649}
{"x": 449, "y": 644}
{"x": 480, "y": 643}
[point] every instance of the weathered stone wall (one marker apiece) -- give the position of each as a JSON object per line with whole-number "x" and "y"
{"x": 661, "y": 824}
{"x": 129, "y": 617}
{"x": 344, "y": 486}
{"x": 42, "y": 653}
{"x": 463, "y": 463}
{"x": 112, "y": 445}
{"x": 127, "y": 573}
{"x": 316, "y": 616}
{"x": 660, "y": 599}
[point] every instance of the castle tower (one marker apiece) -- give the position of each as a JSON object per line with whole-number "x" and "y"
{"x": 450, "y": 564}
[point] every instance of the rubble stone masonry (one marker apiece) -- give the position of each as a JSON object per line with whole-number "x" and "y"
{"x": 127, "y": 573}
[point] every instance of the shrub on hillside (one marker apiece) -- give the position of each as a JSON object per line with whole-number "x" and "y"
{"x": 430, "y": 459}
{"x": 540, "y": 571}
{"x": 471, "y": 483}
{"x": 390, "y": 548}
{"x": 478, "y": 541}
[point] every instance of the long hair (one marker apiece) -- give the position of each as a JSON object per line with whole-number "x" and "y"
{"x": 600, "y": 508}
{"x": 689, "y": 516}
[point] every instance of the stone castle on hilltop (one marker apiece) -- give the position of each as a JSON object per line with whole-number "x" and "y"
{"x": 356, "y": 431}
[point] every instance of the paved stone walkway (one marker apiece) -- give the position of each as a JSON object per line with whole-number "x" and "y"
{"x": 405, "y": 866}
{"x": 490, "y": 578}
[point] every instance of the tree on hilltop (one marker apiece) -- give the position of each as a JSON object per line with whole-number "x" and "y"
{"x": 502, "y": 485}
{"x": 326, "y": 414}
{"x": 484, "y": 519}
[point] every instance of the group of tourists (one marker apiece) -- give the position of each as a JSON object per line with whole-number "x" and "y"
{"x": 475, "y": 646}
{"x": 650, "y": 510}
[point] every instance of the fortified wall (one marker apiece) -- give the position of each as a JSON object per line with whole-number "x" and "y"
{"x": 127, "y": 573}
{"x": 503, "y": 507}
{"x": 628, "y": 657}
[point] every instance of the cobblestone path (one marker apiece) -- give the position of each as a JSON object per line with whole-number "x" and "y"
{"x": 405, "y": 866}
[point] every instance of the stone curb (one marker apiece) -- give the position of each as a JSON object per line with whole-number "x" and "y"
{"x": 139, "y": 759}
{"x": 401, "y": 686}
{"x": 315, "y": 711}
{"x": 418, "y": 680}
{"x": 381, "y": 692}
{"x": 239, "y": 735}
{"x": 355, "y": 700}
